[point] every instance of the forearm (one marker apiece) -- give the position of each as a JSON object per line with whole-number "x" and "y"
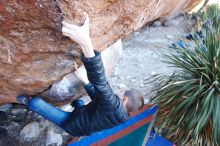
{"x": 87, "y": 48}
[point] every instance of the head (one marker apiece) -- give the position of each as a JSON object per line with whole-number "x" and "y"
{"x": 133, "y": 99}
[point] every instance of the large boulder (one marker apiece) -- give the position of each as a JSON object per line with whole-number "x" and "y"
{"x": 33, "y": 52}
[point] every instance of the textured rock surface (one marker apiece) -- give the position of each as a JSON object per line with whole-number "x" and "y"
{"x": 53, "y": 138}
{"x": 33, "y": 52}
{"x": 29, "y": 129}
{"x": 30, "y": 132}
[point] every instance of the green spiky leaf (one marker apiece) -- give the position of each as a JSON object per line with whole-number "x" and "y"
{"x": 189, "y": 104}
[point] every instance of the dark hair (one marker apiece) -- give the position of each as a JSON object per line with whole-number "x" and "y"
{"x": 135, "y": 100}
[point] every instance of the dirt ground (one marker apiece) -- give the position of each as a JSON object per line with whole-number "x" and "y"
{"x": 142, "y": 56}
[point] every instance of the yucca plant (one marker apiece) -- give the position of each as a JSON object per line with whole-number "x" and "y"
{"x": 189, "y": 103}
{"x": 211, "y": 16}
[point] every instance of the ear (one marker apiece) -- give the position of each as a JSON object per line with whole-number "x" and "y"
{"x": 125, "y": 99}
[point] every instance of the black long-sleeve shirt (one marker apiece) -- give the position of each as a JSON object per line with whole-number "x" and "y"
{"x": 106, "y": 109}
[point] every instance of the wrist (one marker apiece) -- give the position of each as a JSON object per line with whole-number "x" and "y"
{"x": 88, "y": 49}
{"x": 86, "y": 44}
{"x": 85, "y": 41}
{"x": 86, "y": 82}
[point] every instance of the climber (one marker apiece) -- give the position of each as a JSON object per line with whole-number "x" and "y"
{"x": 106, "y": 109}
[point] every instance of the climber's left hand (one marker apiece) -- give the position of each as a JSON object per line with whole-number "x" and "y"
{"x": 82, "y": 75}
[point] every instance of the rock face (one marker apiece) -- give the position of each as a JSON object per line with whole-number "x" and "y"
{"x": 33, "y": 52}
{"x": 53, "y": 138}
{"x": 30, "y": 131}
{"x": 26, "y": 128}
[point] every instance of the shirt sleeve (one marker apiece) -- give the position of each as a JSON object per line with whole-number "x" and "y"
{"x": 90, "y": 90}
{"x": 96, "y": 75}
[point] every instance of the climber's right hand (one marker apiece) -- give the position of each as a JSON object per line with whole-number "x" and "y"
{"x": 79, "y": 34}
